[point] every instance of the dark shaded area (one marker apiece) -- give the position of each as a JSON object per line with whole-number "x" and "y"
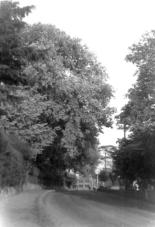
{"x": 14, "y": 158}
{"x": 51, "y": 167}
{"x": 112, "y": 198}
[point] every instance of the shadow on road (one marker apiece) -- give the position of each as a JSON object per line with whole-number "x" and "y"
{"x": 112, "y": 199}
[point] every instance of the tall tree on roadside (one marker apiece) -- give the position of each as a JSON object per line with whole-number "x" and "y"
{"x": 136, "y": 157}
{"x": 69, "y": 89}
{"x": 15, "y": 94}
{"x": 14, "y": 154}
{"x": 63, "y": 90}
{"x": 12, "y": 50}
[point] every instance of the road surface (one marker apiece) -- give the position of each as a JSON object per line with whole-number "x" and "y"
{"x": 89, "y": 209}
{"x": 74, "y": 209}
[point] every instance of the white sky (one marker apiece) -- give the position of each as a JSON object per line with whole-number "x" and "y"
{"x": 108, "y": 28}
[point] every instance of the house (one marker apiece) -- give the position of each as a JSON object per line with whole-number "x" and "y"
{"x": 86, "y": 183}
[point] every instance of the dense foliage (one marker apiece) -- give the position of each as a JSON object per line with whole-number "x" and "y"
{"x": 15, "y": 154}
{"x": 15, "y": 160}
{"x": 135, "y": 159}
{"x": 77, "y": 95}
{"x": 54, "y": 93}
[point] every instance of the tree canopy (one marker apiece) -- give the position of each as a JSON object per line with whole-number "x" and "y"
{"x": 55, "y": 92}
{"x": 14, "y": 153}
{"x": 75, "y": 93}
{"x": 12, "y": 48}
{"x": 135, "y": 158}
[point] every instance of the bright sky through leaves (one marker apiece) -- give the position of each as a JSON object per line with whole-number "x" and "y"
{"x": 108, "y": 28}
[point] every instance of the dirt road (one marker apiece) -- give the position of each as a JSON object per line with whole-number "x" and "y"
{"x": 74, "y": 209}
{"x": 95, "y": 210}
{"x": 21, "y": 210}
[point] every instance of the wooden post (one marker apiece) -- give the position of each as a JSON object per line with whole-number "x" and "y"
{"x": 124, "y": 130}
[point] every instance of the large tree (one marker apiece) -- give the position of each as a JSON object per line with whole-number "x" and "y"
{"x": 136, "y": 157}
{"x": 14, "y": 154}
{"x": 15, "y": 92}
{"x": 12, "y": 50}
{"x": 59, "y": 92}
{"x": 67, "y": 97}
